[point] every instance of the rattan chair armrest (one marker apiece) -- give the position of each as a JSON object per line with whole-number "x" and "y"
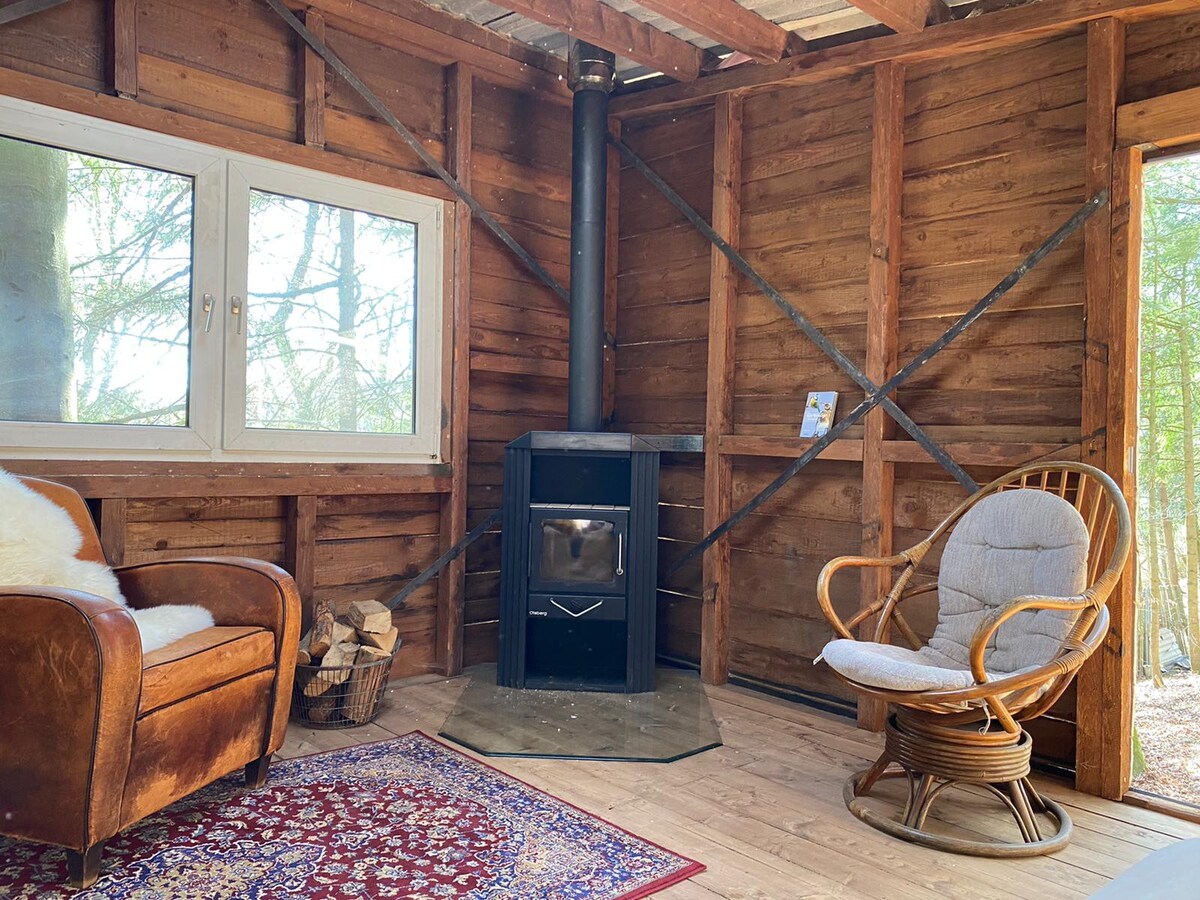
{"x": 1001, "y": 614}
{"x": 859, "y": 562}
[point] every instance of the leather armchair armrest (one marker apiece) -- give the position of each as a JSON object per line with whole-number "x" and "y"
{"x": 237, "y": 591}
{"x": 72, "y": 665}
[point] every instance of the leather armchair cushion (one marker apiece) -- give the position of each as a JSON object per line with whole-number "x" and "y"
{"x": 201, "y": 661}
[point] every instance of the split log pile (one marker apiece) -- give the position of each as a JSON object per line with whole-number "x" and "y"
{"x": 333, "y": 675}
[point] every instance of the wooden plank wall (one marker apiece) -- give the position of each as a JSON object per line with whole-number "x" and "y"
{"x": 806, "y": 192}
{"x": 235, "y": 64}
{"x": 522, "y": 174}
{"x": 994, "y": 157}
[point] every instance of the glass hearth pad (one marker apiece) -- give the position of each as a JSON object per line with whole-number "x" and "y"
{"x": 673, "y": 721}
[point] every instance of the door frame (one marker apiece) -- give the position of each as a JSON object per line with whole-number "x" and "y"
{"x": 1110, "y": 383}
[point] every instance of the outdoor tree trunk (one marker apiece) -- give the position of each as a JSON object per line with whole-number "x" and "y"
{"x": 1155, "y": 594}
{"x": 1191, "y": 523}
{"x": 1175, "y": 602}
{"x": 347, "y": 316}
{"x": 35, "y": 285}
{"x": 1154, "y": 597}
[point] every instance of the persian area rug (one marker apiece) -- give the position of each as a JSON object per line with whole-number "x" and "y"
{"x": 404, "y": 818}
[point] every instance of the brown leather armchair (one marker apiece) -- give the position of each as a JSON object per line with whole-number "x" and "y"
{"x": 94, "y": 736}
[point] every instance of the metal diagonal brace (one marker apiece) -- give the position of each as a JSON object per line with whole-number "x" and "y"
{"x": 23, "y": 8}
{"x": 1064, "y": 231}
{"x": 798, "y": 318}
{"x": 444, "y": 560}
{"x": 418, "y": 148}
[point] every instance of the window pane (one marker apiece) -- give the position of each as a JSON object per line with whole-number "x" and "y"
{"x": 95, "y": 281}
{"x": 330, "y": 318}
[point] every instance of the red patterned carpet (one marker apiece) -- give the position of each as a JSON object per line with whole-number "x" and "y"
{"x": 404, "y": 818}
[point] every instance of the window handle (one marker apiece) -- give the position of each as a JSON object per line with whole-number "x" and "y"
{"x": 235, "y": 310}
{"x": 620, "y": 554}
{"x": 208, "y": 311}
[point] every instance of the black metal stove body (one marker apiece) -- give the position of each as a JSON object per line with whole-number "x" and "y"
{"x": 579, "y": 564}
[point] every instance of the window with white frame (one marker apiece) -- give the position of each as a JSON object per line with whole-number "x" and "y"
{"x": 166, "y": 299}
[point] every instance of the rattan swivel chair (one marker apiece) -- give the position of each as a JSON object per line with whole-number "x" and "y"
{"x": 1027, "y": 568}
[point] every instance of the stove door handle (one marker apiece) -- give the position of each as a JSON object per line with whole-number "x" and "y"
{"x": 620, "y": 554}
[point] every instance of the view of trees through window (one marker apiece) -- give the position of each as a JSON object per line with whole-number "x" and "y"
{"x": 1167, "y": 732}
{"x": 95, "y": 268}
{"x": 329, "y": 318}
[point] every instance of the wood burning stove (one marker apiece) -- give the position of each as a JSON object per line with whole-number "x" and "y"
{"x": 579, "y": 566}
{"x": 579, "y": 560}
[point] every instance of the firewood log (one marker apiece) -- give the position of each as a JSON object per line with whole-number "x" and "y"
{"x": 321, "y": 636}
{"x": 323, "y": 709}
{"x": 384, "y": 640}
{"x": 329, "y": 675}
{"x": 343, "y": 633}
{"x": 304, "y": 655}
{"x": 364, "y": 684}
{"x": 369, "y": 615}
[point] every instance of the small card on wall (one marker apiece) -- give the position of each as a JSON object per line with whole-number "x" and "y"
{"x": 818, "y": 414}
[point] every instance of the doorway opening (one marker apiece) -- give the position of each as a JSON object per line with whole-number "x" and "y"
{"x": 1166, "y": 724}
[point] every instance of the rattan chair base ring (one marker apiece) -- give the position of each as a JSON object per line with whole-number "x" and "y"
{"x": 933, "y": 763}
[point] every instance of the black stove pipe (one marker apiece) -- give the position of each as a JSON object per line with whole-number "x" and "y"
{"x": 592, "y": 72}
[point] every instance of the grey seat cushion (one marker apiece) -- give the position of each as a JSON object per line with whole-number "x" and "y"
{"x": 893, "y": 668}
{"x": 1009, "y": 545}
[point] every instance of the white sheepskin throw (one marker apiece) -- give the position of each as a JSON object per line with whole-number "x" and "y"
{"x": 38, "y": 543}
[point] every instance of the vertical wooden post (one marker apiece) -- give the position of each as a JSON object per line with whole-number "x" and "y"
{"x": 310, "y": 91}
{"x": 300, "y": 550}
{"x": 611, "y": 266}
{"x": 718, "y": 417}
{"x": 112, "y": 529}
{"x": 451, "y": 581}
{"x": 883, "y": 314}
{"x": 123, "y": 47}
{"x": 1105, "y": 697}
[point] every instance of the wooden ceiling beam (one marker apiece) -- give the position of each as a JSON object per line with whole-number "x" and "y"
{"x": 413, "y": 27}
{"x": 600, "y": 24}
{"x": 904, "y": 16}
{"x": 1003, "y": 28}
{"x": 731, "y": 24}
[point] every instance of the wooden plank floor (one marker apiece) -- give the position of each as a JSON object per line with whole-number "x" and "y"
{"x": 765, "y": 814}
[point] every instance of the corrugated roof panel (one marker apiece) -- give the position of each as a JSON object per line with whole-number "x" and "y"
{"x": 812, "y": 19}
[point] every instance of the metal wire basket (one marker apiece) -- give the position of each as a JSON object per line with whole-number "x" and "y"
{"x": 341, "y": 696}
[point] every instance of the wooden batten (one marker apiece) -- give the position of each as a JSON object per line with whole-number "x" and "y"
{"x": 1169, "y": 120}
{"x": 459, "y": 130}
{"x": 112, "y": 529}
{"x": 729, "y": 23}
{"x": 123, "y": 47}
{"x": 1105, "y": 72}
{"x": 722, "y": 331}
{"x": 310, "y": 88}
{"x": 299, "y": 549}
{"x": 883, "y": 326}
{"x": 904, "y": 16}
